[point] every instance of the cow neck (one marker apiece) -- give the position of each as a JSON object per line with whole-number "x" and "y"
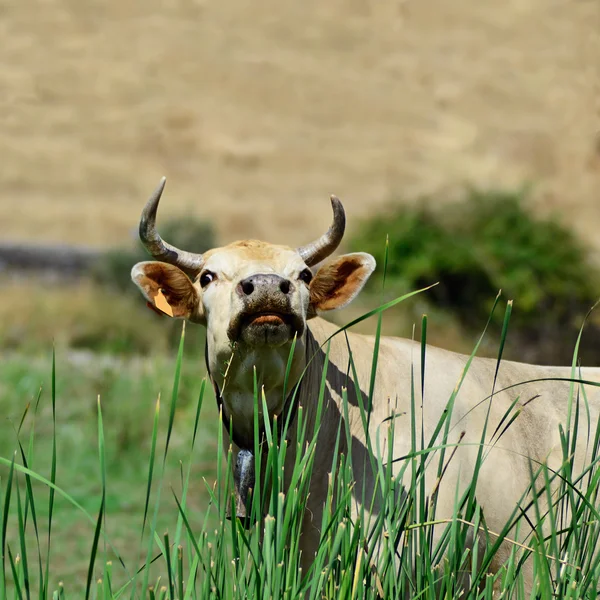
{"x": 290, "y": 408}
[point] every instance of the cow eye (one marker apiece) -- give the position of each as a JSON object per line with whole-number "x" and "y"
{"x": 306, "y": 276}
{"x": 206, "y": 278}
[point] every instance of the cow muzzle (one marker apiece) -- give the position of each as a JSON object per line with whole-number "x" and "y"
{"x": 267, "y": 317}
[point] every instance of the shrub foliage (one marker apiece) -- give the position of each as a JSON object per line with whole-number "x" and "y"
{"x": 486, "y": 243}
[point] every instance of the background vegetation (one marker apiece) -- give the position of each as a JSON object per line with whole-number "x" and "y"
{"x": 104, "y": 311}
{"x": 483, "y": 244}
{"x": 174, "y": 549}
{"x": 128, "y": 388}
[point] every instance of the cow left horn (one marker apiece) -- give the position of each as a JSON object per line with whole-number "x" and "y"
{"x": 320, "y": 249}
{"x": 188, "y": 262}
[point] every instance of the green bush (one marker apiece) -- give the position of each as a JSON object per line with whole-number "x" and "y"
{"x": 484, "y": 244}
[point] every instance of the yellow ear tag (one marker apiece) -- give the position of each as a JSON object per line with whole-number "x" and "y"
{"x": 161, "y": 303}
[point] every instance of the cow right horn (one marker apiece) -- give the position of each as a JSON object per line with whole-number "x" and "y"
{"x": 188, "y": 262}
{"x": 320, "y": 249}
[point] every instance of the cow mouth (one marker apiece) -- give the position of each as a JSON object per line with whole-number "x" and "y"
{"x": 267, "y": 318}
{"x": 270, "y": 327}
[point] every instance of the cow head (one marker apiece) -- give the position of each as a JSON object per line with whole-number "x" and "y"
{"x": 253, "y": 297}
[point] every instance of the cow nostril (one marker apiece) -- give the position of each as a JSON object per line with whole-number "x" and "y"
{"x": 284, "y": 286}
{"x": 247, "y": 287}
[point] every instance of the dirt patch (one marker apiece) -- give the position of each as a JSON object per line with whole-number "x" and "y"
{"x": 256, "y": 112}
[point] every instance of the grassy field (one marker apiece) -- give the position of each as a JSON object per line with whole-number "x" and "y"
{"x": 109, "y": 346}
{"x": 102, "y": 453}
{"x": 256, "y": 111}
{"x": 128, "y": 389}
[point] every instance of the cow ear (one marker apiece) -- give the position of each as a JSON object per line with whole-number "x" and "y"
{"x": 168, "y": 290}
{"x": 336, "y": 284}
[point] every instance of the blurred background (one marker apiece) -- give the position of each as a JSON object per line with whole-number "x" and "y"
{"x": 468, "y": 132}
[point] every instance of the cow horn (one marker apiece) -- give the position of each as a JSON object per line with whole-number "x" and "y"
{"x": 187, "y": 261}
{"x": 320, "y": 249}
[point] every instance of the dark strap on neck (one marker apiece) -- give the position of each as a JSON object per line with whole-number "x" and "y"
{"x": 290, "y": 408}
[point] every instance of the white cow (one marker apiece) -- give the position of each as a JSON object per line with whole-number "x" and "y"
{"x": 256, "y": 297}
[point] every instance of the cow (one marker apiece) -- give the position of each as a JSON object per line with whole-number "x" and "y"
{"x": 260, "y": 302}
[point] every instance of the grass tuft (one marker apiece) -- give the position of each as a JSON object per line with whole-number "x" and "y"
{"x": 182, "y": 546}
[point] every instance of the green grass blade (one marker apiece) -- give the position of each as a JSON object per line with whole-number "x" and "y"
{"x": 50, "y": 485}
{"x": 186, "y": 479}
{"x": 193, "y": 538}
{"x": 180, "y": 572}
{"x": 90, "y": 573}
{"x": 30, "y": 502}
{"x": 100, "y": 520}
{"x": 15, "y": 572}
{"x": 5, "y": 513}
{"x": 102, "y": 460}
{"x": 377, "y": 311}
{"x": 167, "y": 555}
{"x": 375, "y": 356}
{"x": 52, "y": 473}
{"x": 480, "y": 452}
{"x": 174, "y": 396}
{"x": 175, "y": 391}
{"x": 198, "y": 409}
{"x": 23, "y": 545}
{"x": 151, "y": 464}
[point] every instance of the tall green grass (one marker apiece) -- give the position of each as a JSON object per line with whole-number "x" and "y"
{"x": 396, "y": 546}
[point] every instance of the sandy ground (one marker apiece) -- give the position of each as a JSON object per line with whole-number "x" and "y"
{"x": 257, "y": 111}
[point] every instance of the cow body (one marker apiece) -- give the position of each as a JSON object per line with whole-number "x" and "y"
{"x": 260, "y": 304}
{"x": 505, "y": 474}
